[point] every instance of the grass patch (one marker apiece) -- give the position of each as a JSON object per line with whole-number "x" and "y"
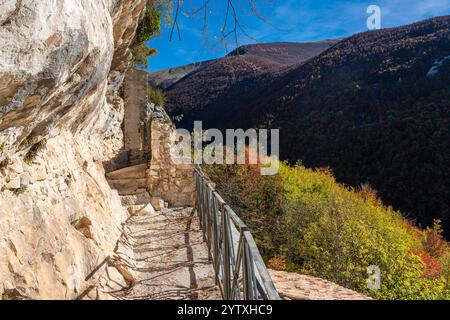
{"x": 121, "y": 91}
{"x": 156, "y": 96}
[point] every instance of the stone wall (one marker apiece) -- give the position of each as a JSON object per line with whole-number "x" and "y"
{"x": 167, "y": 179}
{"x": 148, "y": 128}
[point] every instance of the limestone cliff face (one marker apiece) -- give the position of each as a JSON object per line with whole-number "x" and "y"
{"x": 61, "y": 62}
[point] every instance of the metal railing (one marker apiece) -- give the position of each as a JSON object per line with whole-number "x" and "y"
{"x": 239, "y": 268}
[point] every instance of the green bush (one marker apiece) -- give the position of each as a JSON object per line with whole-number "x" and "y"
{"x": 141, "y": 53}
{"x": 257, "y": 199}
{"x": 150, "y": 25}
{"x": 156, "y": 96}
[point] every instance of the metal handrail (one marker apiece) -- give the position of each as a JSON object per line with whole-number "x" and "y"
{"x": 239, "y": 268}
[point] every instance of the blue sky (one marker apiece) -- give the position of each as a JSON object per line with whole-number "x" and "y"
{"x": 284, "y": 20}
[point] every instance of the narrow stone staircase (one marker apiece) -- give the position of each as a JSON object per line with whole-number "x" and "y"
{"x": 163, "y": 249}
{"x": 128, "y": 180}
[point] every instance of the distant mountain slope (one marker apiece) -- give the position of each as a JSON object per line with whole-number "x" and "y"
{"x": 165, "y": 78}
{"x": 375, "y": 108}
{"x": 283, "y": 53}
{"x": 209, "y": 82}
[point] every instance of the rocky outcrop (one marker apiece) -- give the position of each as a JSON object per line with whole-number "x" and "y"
{"x": 61, "y": 63}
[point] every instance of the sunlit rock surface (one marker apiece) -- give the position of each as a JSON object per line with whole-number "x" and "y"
{"x": 61, "y": 63}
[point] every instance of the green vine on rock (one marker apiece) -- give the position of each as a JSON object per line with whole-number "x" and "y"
{"x": 20, "y": 190}
{"x": 34, "y": 150}
{"x": 4, "y": 163}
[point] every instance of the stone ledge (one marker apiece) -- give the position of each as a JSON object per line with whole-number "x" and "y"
{"x": 293, "y": 286}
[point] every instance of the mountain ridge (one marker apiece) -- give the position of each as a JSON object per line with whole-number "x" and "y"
{"x": 266, "y": 54}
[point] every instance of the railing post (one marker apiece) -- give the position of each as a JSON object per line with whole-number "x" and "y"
{"x": 248, "y": 273}
{"x": 226, "y": 256}
{"x": 235, "y": 282}
{"x": 215, "y": 239}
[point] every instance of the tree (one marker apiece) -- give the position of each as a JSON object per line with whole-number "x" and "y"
{"x": 231, "y": 23}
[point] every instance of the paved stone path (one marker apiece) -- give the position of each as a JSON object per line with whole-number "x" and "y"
{"x": 160, "y": 256}
{"x": 171, "y": 257}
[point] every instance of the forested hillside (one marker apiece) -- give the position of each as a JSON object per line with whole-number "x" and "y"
{"x": 235, "y": 77}
{"x": 375, "y": 108}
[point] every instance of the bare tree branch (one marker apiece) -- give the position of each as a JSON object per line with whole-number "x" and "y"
{"x": 231, "y": 24}
{"x": 175, "y": 21}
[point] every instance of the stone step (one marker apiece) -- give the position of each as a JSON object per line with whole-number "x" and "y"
{"x": 136, "y": 208}
{"x": 139, "y": 160}
{"x": 139, "y": 198}
{"x": 158, "y": 203}
{"x": 127, "y": 186}
{"x": 125, "y": 158}
{"x": 142, "y": 209}
{"x": 118, "y": 162}
{"x": 135, "y": 154}
{"x": 132, "y": 172}
{"x": 126, "y": 191}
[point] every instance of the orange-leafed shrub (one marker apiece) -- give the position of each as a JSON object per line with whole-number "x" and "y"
{"x": 433, "y": 242}
{"x": 278, "y": 262}
{"x": 433, "y": 268}
{"x": 369, "y": 194}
